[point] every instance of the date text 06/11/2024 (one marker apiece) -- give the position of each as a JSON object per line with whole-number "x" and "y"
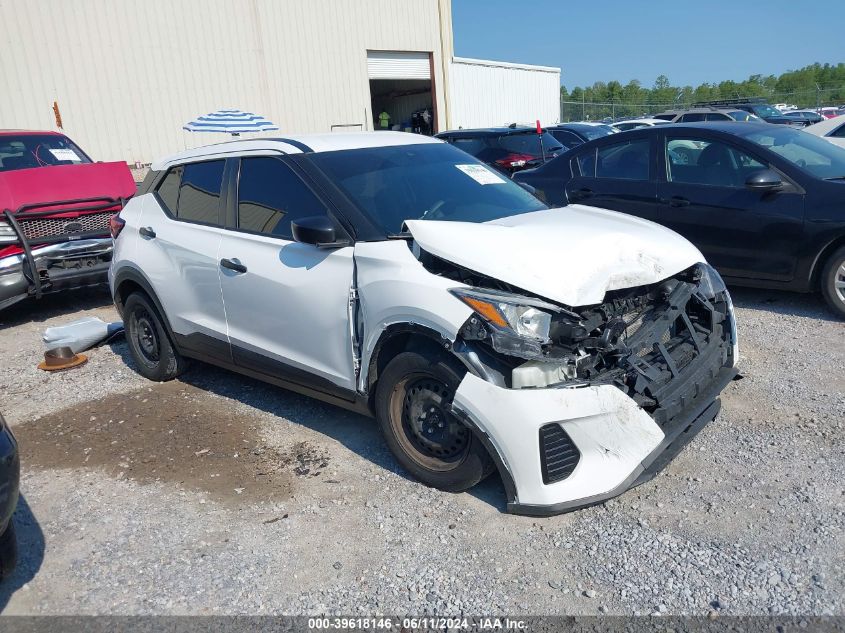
{"x": 416, "y": 624}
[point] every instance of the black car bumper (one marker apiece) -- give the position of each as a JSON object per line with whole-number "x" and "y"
{"x": 10, "y": 469}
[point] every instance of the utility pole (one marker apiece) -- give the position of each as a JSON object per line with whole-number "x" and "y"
{"x": 818, "y": 97}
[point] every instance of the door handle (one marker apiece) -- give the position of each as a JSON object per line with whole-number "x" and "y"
{"x": 675, "y": 201}
{"x": 147, "y": 231}
{"x": 233, "y": 264}
{"x": 582, "y": 194}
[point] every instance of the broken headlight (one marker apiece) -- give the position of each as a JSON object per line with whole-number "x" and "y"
{"x": 517, "y": 325}
{"x": 7, "y": 233}
{"x": 711, "y": 282}
{"x": 712, "y": 285}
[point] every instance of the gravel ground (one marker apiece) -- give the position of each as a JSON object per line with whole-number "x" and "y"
{"x": 219, "y": 494}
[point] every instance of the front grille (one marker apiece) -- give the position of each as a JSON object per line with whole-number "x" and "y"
{"x": 558, "y": 454}
{"x": 51, "y": 227}
{"x": 675, "y": 351}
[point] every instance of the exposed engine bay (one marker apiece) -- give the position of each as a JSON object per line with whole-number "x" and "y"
{"x": 661, "y": 344}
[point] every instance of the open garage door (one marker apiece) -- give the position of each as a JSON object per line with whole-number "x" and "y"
{"x": 402, "y": 91}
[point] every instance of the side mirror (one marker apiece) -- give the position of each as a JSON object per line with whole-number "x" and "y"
{"x": 764, "y": 180}
{"x": 316, "y": 230}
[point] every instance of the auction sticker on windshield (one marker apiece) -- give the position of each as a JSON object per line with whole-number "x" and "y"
{"x": 65, "y": 154}
{"x": 481, "y": 175}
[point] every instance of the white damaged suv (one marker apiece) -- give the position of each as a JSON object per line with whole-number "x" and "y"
{"x": 575, "y": 350}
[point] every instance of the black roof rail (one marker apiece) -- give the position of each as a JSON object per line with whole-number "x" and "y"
{"x": 729, "y": 102}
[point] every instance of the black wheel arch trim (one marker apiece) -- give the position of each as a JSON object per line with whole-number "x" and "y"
{"x": 129, "y": 273}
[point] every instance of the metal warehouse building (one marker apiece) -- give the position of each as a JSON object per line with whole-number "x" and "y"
{"x": 126, "y": 76}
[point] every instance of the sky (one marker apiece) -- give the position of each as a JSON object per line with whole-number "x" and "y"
{"x": 689, "y": 42}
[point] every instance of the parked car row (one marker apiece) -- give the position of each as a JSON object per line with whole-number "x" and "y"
{"x": 403, "y": 278}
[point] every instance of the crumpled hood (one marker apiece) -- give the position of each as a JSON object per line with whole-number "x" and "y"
{"x": 572, "y": 255}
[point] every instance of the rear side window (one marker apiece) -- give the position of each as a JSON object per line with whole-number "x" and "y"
{"x": 626, "y": 161}
{"x": 838, "y": 132}
{"x": 693, "y": 116}
{"x": 270, "y": 195}
{"x": 199, "y": 192}
{"x": 718, "y": 116}
{"x": 566, "y": 138}
{"x": 168, "y": 190}
{"x": 586, "y": 164}
{"x": 472, "y": 146}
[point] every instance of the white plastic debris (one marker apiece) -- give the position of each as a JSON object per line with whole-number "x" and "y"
{"x": 81, "y": 334}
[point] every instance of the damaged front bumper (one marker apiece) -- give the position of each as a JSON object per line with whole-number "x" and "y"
{"x": 658, "y": 358}
{"x": 61, "y": 266}
{"x": 606, "y": 442}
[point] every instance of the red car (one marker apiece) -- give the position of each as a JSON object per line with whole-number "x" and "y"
{"x": 55, "y": 210}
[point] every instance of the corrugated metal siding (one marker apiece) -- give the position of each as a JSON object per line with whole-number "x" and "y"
{"x": 391, "y": 65}
{"x": 484, "y": 94}
{"x": 127, "y": 76}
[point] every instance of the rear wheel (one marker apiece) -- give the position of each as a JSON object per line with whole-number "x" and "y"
{"x": 833, "y": 281}
{"x": 149, "y": 344}
{"x": 413, "y": 407}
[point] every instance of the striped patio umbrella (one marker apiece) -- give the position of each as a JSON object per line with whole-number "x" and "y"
{"x": 230, "y": 121}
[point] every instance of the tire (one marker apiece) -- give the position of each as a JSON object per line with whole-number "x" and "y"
{"x": 149, "y": 343}
{"x": 833, "y": 282}
{"x": 8, "y": 551}
{"x": 413, "y": 407}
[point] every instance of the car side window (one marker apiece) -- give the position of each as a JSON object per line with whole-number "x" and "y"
{"x": 626, "y": 161}
{"x": 838, "y": 132}
{"x": 168, "y": 190}
{"x": 700, "y": 162}
{"x": 585, "y": 163}
{"x": 199, "y": 192}
{"x": 717, "y": 116}
{"x": 270, "y": 195}
{"x": 693, "y": 116}
{"x": 566, "y": 138}
{"x": 472, "y": 146}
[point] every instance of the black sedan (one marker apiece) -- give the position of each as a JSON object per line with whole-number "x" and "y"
{"x": 765, "y": 204}
{"x": 9, "y": 486}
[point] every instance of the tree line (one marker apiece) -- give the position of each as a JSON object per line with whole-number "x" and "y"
{"x": 809, "y": 87}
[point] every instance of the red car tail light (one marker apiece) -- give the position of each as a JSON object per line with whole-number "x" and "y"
{"x": 116, "y": 224}
{"x": 512, "y": 161}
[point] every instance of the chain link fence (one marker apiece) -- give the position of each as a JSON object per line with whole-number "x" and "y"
{"x": 596, "y": 111}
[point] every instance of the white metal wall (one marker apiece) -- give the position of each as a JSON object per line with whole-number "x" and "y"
{"x": 486, "y": 93}
{"x": 128, "y": 75}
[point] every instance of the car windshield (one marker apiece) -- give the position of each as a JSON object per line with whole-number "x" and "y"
{"x": 529, "y": 143}
{"x": 814, "y": 155}
{"x": 430, "y": 181}
{"x": 765, "y": 110}
{"x": 24, "y": 151}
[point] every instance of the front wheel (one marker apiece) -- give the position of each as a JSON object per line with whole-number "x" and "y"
{"x": 413, "y": 407}
{"x": 149, "y": 344}
{"x": 833, "y": 282}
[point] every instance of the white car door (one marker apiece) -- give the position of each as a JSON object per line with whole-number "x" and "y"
{"x": 287, "y": 303}
{"x": 180, "y": 232}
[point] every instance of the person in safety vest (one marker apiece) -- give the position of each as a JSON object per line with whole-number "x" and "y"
{"x": 384, "y": 119}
